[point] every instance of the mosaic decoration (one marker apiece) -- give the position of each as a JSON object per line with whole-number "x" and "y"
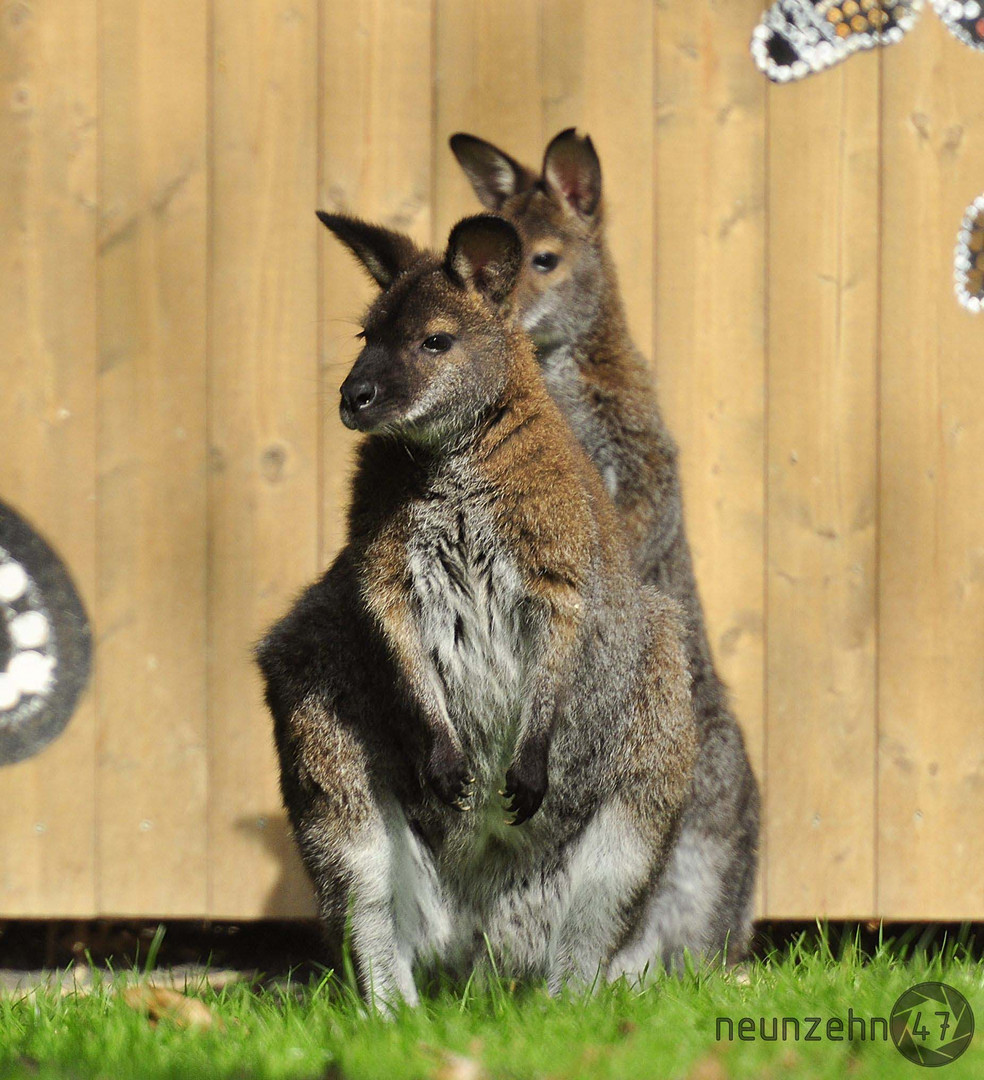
{"x": 968, "y": 273}
{"x": 45, "y": 647}
{"x": 799, "y": 37}
{"x": 964, "y": 20}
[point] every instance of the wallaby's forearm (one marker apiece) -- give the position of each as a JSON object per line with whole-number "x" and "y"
{"x": 444, "y": 767}
{"x": 547, "y": 689}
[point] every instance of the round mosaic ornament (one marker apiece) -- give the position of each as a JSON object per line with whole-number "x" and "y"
{"x": 799, "y": 37}
{"x": 968, "y": 272}
{"x": 965, "y": 20}
{"x": 45, "y": 643}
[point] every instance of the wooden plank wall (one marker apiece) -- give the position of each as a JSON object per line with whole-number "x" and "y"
{"x": 821, "y": 484}
{"x": 48, "y": 235}
{"x": 176, "y": 326}
{"x": 151, "y": 599}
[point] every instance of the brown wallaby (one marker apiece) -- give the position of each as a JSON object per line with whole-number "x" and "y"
{"x": 482, "y": 629}
{"x": 568, "y": 300}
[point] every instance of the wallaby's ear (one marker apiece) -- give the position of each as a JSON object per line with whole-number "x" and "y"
{"x": 484, "y": 253}
{"x": 494, "y": 175}
{"x": 383, "y": 252}
{"x": 571, "y": 166}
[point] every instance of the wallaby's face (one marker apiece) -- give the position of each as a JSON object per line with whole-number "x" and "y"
{"x": 558, "y": 217}
{"x": 436, "y": 352}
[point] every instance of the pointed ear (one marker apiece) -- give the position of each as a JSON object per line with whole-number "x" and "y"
{"x": 494, "y": 175}
{"x": 383, "y": 252}
{"x": 571, "y": 167}
{"x": 485, "y": 254}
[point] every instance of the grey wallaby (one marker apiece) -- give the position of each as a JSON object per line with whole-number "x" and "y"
{"x": 568, "y": 300}
{"x": 482, "y": 714}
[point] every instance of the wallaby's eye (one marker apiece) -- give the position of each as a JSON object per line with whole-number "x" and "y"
{"x": 545, "y": 261}
{"x": 437, "y": 343}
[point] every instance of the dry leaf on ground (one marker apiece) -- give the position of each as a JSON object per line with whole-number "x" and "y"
{"x": 160, "y": 1003}
{"x": 708, "y": 1067}
{"x": 456, "y": 1066}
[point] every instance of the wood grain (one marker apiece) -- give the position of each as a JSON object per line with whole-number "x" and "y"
{"x": 931, "y": 660}
{"x": 376, "y": 148}
{"x": 487, "y": 83}
{"x": 710, "y": 290}
{"x": 152, "y": 779}
{"x": 48, "y": 80}
{"x": 599, "y": 78}
{"x": 263, "y": 415}
{"x": 822, "y": 501}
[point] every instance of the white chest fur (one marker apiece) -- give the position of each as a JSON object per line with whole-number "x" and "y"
{"x": 468, "y": 592}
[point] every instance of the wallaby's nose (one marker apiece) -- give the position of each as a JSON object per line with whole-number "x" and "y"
{"x": 359, "y": 395}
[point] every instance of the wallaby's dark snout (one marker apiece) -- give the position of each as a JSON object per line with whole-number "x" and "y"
{"x": 362, "y": 392}
{"x": 357, "y": 396}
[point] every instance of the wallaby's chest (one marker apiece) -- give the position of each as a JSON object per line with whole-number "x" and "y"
{"x": 572, "y": 394}
{"x": 468, "y": 601}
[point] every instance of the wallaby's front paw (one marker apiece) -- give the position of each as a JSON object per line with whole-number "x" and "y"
{"x": 447, "y": 774}
{"x": 526, "y": 784}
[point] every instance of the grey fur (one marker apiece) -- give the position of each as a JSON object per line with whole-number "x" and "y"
{"x": 604, "y": 387}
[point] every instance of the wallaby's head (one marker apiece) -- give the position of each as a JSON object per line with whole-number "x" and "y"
{"x": 437, "y": 349}
{"x": 558, "y": 216}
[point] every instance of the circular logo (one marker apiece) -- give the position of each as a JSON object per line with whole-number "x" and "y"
{"x": 932, "y": 1024}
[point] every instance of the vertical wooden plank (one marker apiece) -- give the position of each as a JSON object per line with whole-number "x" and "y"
{"x": 822, "y": 393}
{"x": 710, "y": 134}
{"x": 931, "y": 670}
{"x": 597, "y": 65}
{"x": 152, "y": 457}
{"x": 376, "y": 161}
{"x": 488, "y": 77}
{"x": 48, "y": 79}
{"x": 263, "y": 419}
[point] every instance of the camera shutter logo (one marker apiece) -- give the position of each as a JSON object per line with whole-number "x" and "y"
{"x": 932, "y": 1024}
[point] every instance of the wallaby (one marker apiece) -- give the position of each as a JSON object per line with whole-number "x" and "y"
{"x": 568, "y": 300}
{"x": 481, "y": 647}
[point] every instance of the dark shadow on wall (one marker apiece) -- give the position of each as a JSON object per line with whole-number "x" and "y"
{"x": 292, "y": 895}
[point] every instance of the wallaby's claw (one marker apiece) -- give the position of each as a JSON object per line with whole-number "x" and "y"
{"x": 526, "y": 785}
{"x": 448, "y": 774}
{"x": 522, "y": 803}
{"x": 526, "y": 782}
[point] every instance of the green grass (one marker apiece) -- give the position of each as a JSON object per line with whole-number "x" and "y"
{"x": 665, "y": 1030}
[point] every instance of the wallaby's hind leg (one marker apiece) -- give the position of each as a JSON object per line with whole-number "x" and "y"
{"x": 374, "y": 881}
{"x": 379, "y": 893}
{"x": 703, "y": 905}
{"x": 610, "y": 867}
{"x": 680, "y": 916}
{"x": 620, "y": 858}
